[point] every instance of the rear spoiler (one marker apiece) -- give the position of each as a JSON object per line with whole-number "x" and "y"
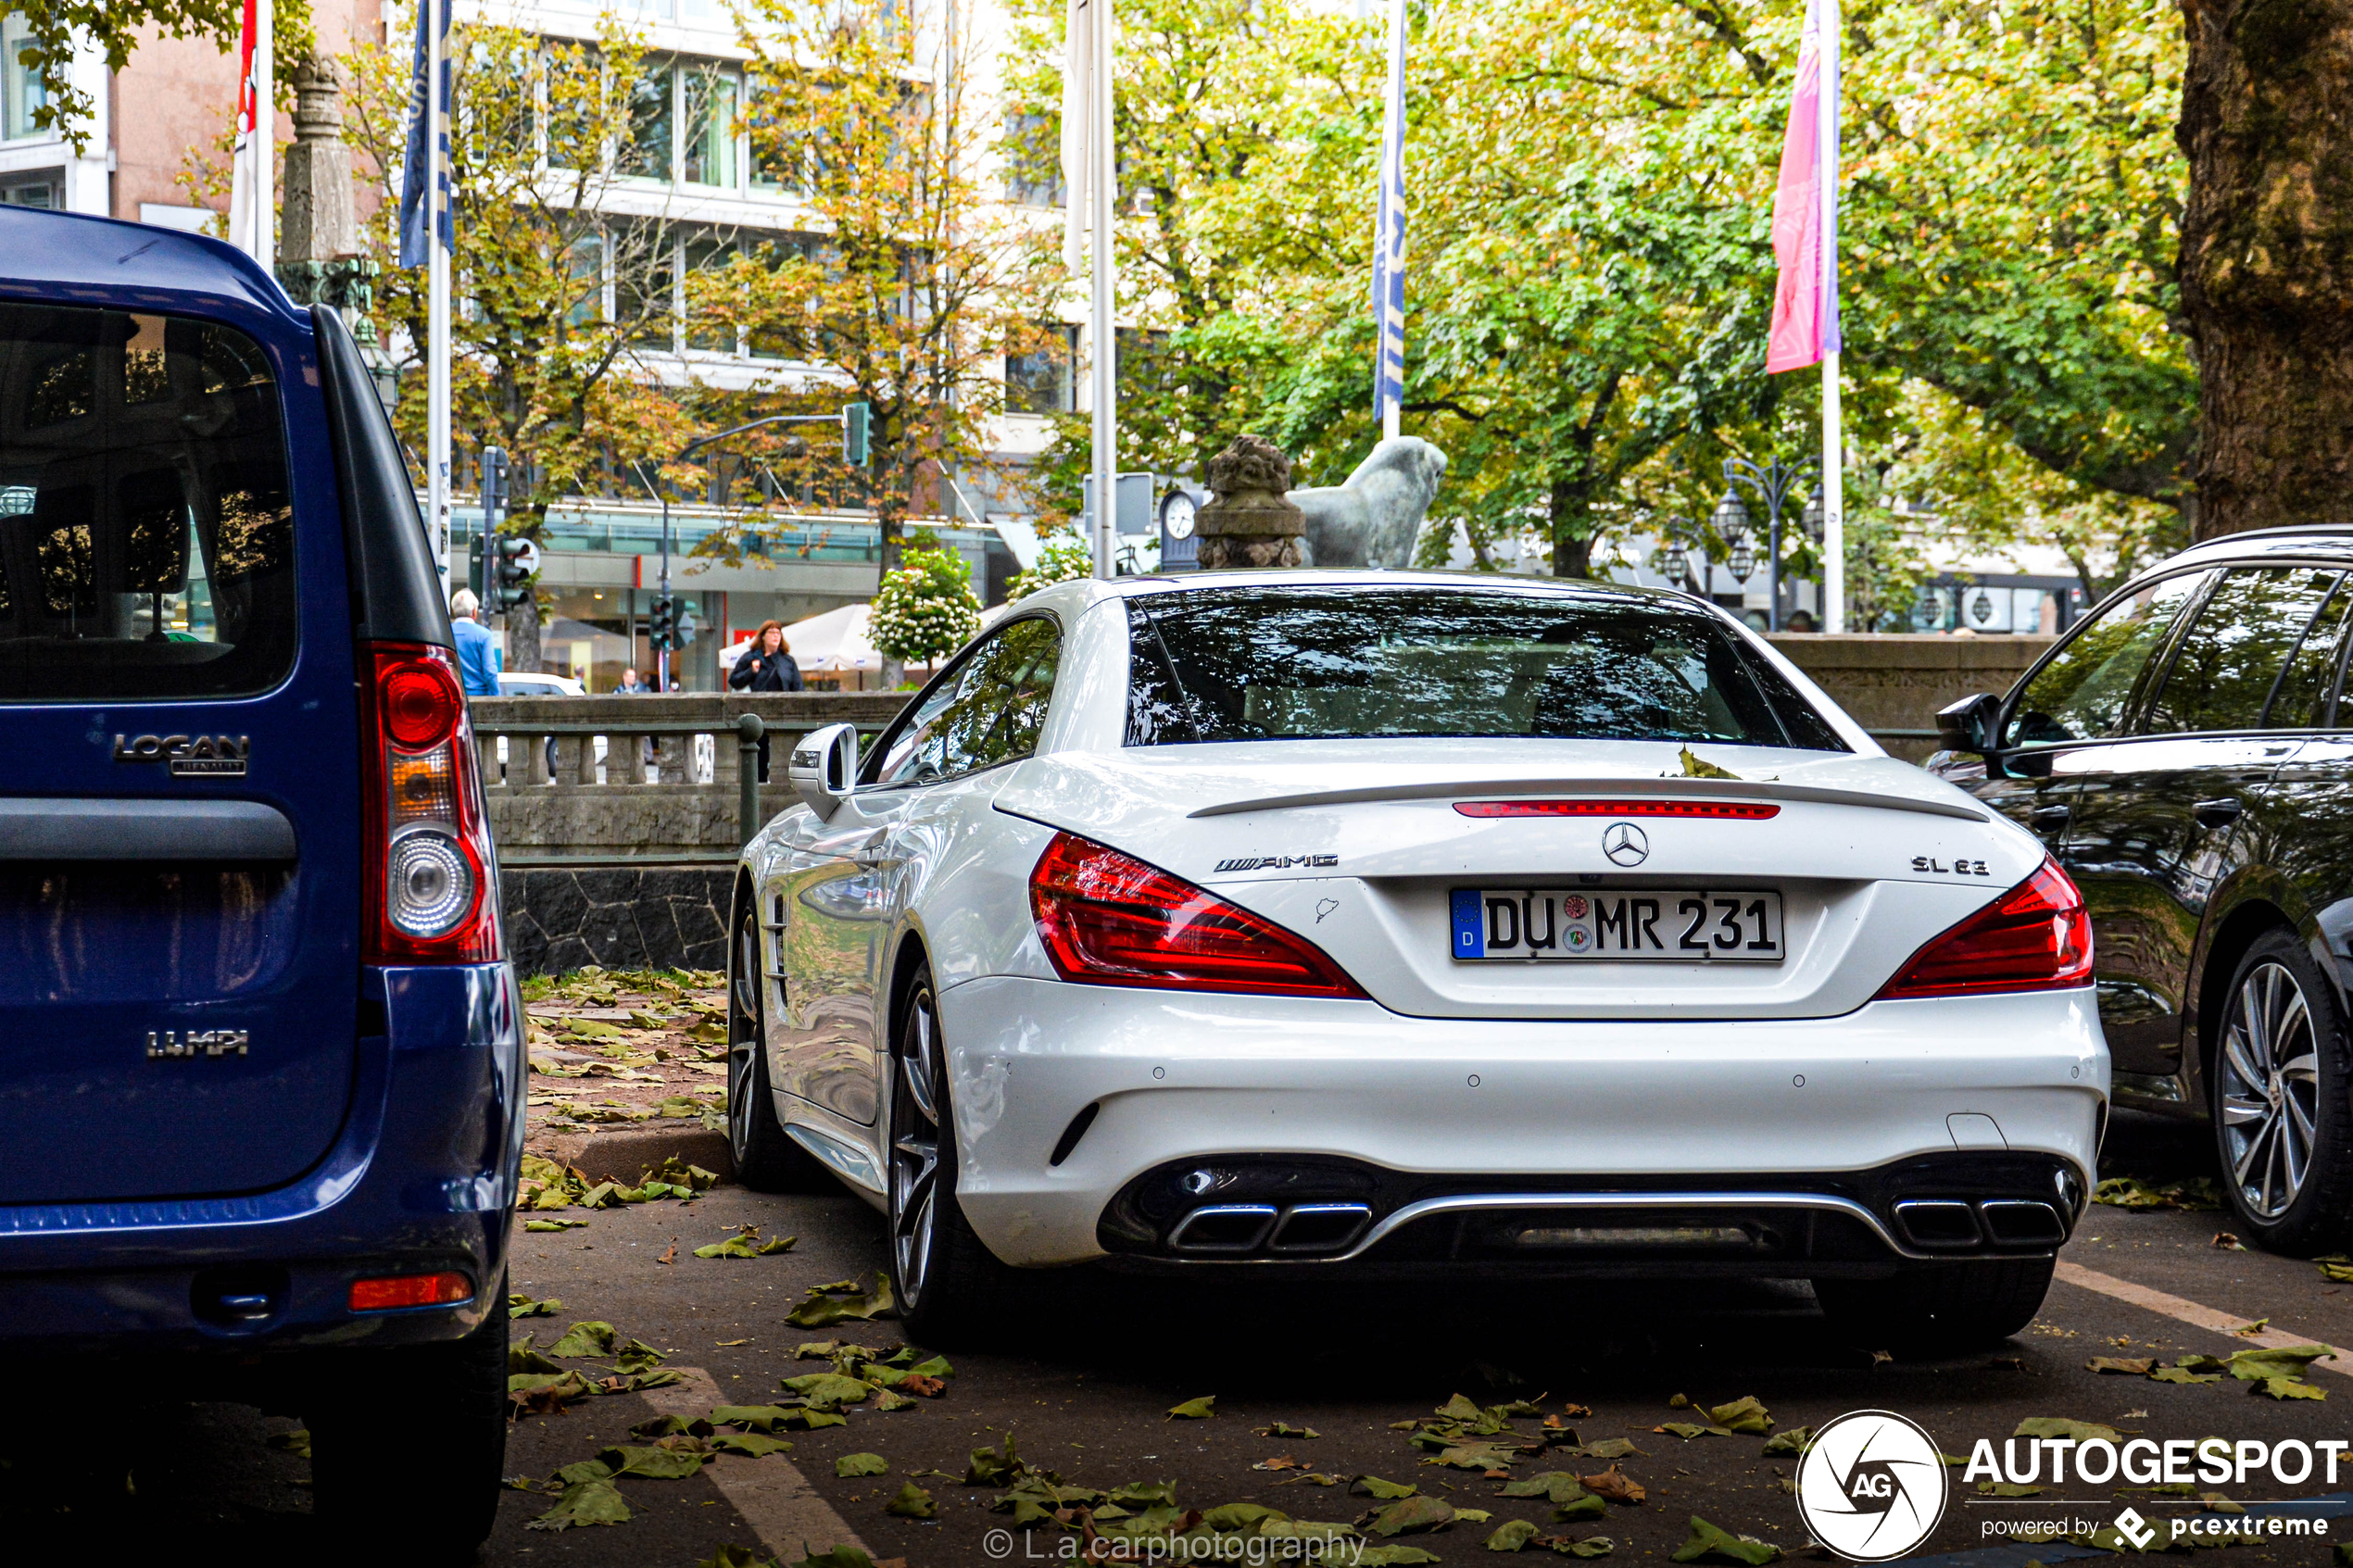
{"x": 1652, "y": 789}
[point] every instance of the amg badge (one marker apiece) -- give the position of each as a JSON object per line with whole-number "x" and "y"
{"x": 1273, "y": 862}
{"x": 190, "y": 755}
{"x": 195, "y": 1042}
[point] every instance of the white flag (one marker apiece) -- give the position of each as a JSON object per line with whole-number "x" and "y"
{"x": 1078, "y": 108}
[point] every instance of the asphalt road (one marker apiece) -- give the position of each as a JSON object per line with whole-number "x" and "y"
{"x": 1086, "y": 1379}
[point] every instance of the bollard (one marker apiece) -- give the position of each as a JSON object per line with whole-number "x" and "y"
{"x": 748, "y": 733}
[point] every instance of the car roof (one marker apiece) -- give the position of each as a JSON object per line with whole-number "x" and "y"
{"x": 71, "y": 257}
{"x": 2327, "y": 541}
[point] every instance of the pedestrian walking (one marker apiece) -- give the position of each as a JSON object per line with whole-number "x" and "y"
{"x": 766, "y": 666}
{"x": 479, "y": 660}
{"x": 632, "y": 685}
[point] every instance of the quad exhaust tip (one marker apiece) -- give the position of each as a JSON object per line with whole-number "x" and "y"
{"x": 1300, "y": 1230}
{"x": 1951, "y": 1224}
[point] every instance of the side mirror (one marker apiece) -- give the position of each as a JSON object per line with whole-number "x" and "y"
{"x": 1971, "y": 724}
{"x": 825, "y": 768}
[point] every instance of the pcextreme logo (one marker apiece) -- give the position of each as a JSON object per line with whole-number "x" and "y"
{"x": 1871, "y": 1486}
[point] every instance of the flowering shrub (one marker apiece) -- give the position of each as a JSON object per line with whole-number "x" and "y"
{"x": 1064, "y": 558}
{"x": 925, "y": 610}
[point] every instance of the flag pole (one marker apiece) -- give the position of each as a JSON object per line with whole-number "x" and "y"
{"x": 437, "y": 258}
{"x": 265, "y": 134}
{"x": 1389, "y": 241}
{"x": 1104, "y": 329}
{"x": 1833, "y": 618}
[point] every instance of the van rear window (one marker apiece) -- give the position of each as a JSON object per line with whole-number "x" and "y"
{"x": 146, "y": 538}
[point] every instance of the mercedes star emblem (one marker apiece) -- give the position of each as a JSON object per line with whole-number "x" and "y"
{"x": 1625, "y": 844}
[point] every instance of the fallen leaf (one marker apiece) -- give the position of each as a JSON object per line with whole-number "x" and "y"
{"x": 2257, "y": 1326}
{"x": 636, "y": 1356}
{"x": 1680, "y": 1401}
{"x": 2130, "y": 1192}
{"x": 669, "y": 1253}
{"x": 1591, "y": 1546}
{"x": 1687, "y": 1430}
{"x": 1744, "y": 1415}
{"x": 752, "y": 1445}
{"x": 585, "y": 1502}
{"x": 521, "y": 1306}
{"x": 913, "y": 1502}
{"x": 1202, "y": 1409}
{"x": 553, "y": 1224}
{"x": 827, "y": 1305}
{"x": 1375, "y": 1486}
{"x": 1616, "y": 1485}
{"x": 655, "y": 1463}
{"x": 1280, "y": 1429}
{"x": 730, "y": 1344}
{"x": 591, "y": 1338}
{"x": 1707, "y": 1541}
{"x": 1281, "y": 1462}
{"x": 1395, "y": 1557}
{"x": 862, "y": 1464}
{"x": 826, "y": 1389}
{"x": 1511, "y": 1535}
{"x": 1694, "y": 768}
{"x": 2060, "y": 1426}
{"x": 2288, "y": 1388}
{"x": 2256, "y": 1366}
{"x": 2183, "y": 1374}
{"x": 1409, "y": 1515}
{"x": 1611, "y": 1448}
{"x": 1792, "y": 1441}
{"x": 2128, "y": 1366}
{"x": 1555, "y": 1486}
{"x": 522, "y": 1357}
{"x": 2228, "y": 1242}
{"x": 1235, "y": 1516}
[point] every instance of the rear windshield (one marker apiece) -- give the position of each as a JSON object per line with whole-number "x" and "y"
{"x": 1286, "y": 664}
{"x": 147, "y": 546}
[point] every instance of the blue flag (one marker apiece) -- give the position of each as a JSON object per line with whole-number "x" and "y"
{"x": 414, "y": 164}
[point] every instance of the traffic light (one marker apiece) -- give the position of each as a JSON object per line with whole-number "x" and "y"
{"x": 661, "y": 625}
{"x": 517, "y": 558}
{"x": 854, "y": 420}
{"x": 474, "y": 570}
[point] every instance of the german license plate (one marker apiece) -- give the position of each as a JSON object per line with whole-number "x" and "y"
{"x": 1669, "y": 924}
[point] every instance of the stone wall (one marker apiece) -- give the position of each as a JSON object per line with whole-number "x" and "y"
{"x": 1892, "y": 684}
{"x": 660, "y": 917}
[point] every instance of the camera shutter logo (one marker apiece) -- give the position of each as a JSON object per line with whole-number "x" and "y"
{"x": 1871, "y": 1486}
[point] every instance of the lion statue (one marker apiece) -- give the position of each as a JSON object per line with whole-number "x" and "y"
{"x": 1374, "y": 517}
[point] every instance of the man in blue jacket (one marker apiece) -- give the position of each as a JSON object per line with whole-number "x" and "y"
{"x": 479, "y": 660}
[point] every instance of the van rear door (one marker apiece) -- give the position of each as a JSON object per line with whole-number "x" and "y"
{"x": 180, "y": 810}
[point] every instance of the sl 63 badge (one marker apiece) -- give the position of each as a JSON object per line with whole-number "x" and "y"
{"x": 1959, "y": 868}
{"x": 195, "y": 1042}
{"x": 189, "y": 756}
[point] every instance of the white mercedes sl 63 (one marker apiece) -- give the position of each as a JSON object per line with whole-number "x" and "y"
{"x": 1393, "y": 923}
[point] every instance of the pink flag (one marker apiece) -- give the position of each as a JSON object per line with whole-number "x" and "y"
{"x": 1805, "y": 224}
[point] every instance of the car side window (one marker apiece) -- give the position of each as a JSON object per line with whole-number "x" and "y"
{"x": 2302, "y": 698}
{"x": 2235, "y": 650}
{"x": 989, "y": 711}
{"x": 2082, "y": 693}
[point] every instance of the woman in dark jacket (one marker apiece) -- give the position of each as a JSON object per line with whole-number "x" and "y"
{"x": 766, "y": 666}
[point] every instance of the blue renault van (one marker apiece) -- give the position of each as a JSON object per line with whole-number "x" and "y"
{"x": 261, "y": 1066}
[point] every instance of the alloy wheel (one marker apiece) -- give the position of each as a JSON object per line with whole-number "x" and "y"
{"x": 2271, "y": 1091}
{"x": 915, "y": 1143}
{"x": 744, "y": 1033}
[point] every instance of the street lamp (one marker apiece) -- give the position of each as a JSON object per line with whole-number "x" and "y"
{"x": 1771, "y": 483}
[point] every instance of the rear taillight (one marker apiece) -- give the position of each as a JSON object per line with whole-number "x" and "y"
{"x": 389, "y": 1294}
{"x": 1723, "y": 810}
{"x": 1108, "y": 919}
{"x": 2035, "y": 938}
{"x": 430, "y": 894}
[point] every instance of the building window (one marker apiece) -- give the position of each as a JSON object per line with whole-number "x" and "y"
{"x": 710, "y": 116}
{"x": 652, "y": 126}
{"x": 21, "y": 92}
{"x": 1033, "y": 159}
{"x": 42, "y": 188}
{"x": 1040, "y": 381}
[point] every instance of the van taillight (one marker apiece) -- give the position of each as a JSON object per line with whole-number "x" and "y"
{"x": 430, "y": 898}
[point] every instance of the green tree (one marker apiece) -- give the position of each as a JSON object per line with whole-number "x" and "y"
{"x": 52, "y": 27}
{"x": 1062, "y": 559}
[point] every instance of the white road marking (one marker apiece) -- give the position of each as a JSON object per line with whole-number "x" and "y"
{"x": 771, "y": 1494}
{"x": 2190, "y": 1312}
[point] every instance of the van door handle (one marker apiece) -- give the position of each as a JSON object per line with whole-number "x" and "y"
{"x": 2050, "y": 819}
{"x": 2219, "y": 813}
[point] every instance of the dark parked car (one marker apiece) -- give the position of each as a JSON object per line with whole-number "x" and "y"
{"x": 260, "y": 1054}
{"x": 2187, "y": 752}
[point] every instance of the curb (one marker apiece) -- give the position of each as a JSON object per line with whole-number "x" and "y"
{"x": 625, "y": 1153}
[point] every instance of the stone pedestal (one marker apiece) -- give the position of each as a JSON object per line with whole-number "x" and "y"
{"x": 1249, "y": 521}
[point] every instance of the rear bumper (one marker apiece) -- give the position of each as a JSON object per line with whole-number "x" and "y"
{"x": 422, "y": 1178}
{"x": 1829, "y": 1123}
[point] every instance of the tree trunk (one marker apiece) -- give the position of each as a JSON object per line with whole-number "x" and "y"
{"x": 1572, "y": 520}
{"x": 2267, "y": 259}
{"x": 522, "y": 634}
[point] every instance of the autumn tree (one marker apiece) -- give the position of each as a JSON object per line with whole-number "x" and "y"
{"x": 909, "y": 286}
{"x": 565, "y": 309}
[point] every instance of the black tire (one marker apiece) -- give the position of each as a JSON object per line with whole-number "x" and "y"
{"x": 950, "y": 1287}
{"x": 2278, "y": 1082}
{"x": 766, "y": 1158}
{"x": 1938, "y": 1309}
{"x": 374, "y": 1413}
